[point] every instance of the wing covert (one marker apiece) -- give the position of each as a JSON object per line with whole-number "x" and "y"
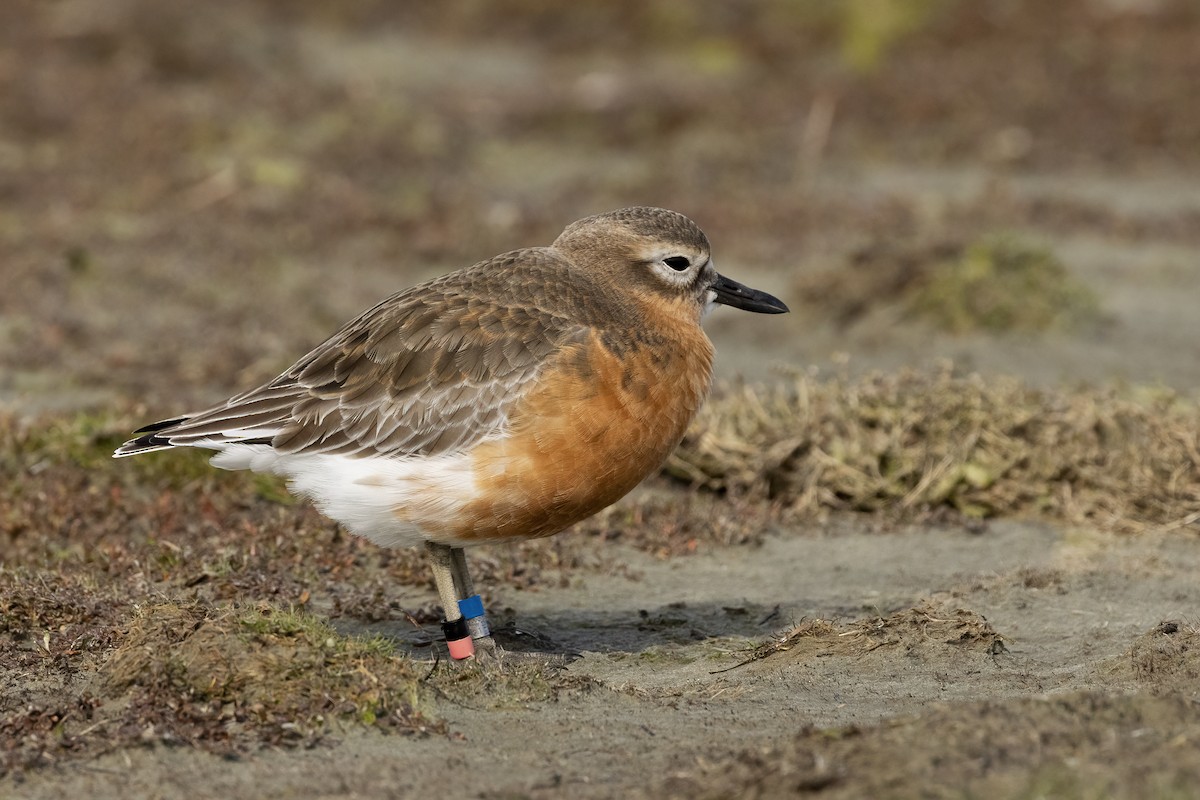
{"x": 434, "y": 369}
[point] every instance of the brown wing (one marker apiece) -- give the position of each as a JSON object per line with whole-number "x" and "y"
{"x": 430, "y": 370}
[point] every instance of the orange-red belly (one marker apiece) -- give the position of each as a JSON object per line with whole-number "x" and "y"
{"x": 586, "y": 435}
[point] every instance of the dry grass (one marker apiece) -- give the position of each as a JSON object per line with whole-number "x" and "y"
{"x": 996, "y": 283}
{"x": 1077, "y": 745}
{"x": 283, "y": 674}
{"x": 1002, "y": 283}
{"x": 930, "y": 623}
{"x": 222, "y": 679}
{"x": 160, "y": 601}
{"x": 910, "y": 444}
{"x": 1168, "y": 657}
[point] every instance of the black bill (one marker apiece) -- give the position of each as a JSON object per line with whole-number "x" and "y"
{"x": 732, "y": 293}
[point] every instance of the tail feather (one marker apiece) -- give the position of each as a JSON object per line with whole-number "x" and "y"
{"x": 154, "y": 427}
{"x": 175, "y": 433}
{"x": 151, "y": 440}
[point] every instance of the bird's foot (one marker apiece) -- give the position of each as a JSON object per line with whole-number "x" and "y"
{"x": 519, "y": 647}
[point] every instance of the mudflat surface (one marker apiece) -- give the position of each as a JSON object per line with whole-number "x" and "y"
{"x": 192, "y": 198}
{"x": 669, "y": 701}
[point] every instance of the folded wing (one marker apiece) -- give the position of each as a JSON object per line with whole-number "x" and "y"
{"x": 428, "y": 371}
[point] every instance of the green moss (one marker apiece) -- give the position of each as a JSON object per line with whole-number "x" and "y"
{"x": 285, "y": 673}
{"x": 85, "y": 439}
{"x": 175, "y": 468}
{"x": 1004, "y": 284}
{"x": 869, "y": 28}
{"x": 273, "y": 488}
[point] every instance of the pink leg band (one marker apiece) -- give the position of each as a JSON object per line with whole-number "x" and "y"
{"x": 458, "y": 639}
{"x": 461, "y": 648}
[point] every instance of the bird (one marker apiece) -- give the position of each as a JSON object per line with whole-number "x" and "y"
{"x": 501, "y": 402}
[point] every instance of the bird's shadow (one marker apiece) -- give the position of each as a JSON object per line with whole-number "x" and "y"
{"x": 574, "y": 631}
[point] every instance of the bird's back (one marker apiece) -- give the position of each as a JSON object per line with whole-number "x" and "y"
{"x": 508, "y": 399}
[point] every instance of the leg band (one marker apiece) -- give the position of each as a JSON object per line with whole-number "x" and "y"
{"x": 472, "y": 610}
{"x": 458, "y": 639}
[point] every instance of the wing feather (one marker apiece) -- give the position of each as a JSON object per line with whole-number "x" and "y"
{"x": 431, "y": 370}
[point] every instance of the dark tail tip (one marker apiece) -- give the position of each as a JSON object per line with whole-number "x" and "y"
{"x": 154, "y": 427}
{"x": 150, "y": 440}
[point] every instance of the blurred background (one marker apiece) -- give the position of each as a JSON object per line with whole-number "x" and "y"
{"x": 193, "y": 195}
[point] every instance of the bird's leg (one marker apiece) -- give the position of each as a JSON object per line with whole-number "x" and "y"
{"x": 458, "y": 635}
{"x": 457, "y": 592}
{"x": 470, "y": 605}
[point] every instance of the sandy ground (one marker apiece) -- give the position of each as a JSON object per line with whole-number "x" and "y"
{"x": 270, "y": 173}
{"x": 669, "y": 698}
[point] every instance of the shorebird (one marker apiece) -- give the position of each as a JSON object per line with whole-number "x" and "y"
{"x": 501, "y": 402}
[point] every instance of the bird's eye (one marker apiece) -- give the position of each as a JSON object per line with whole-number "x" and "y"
{"x": 677, "y": 263}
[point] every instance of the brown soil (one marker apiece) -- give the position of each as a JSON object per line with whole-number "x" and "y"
{"x": 910, "y": 583}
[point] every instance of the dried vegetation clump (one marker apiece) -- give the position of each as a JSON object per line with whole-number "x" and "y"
{"x": 929, "y": 624}
{"x": 997, "y": 283}
{"x": 162, "y": 601}
{"x": 1075, "y": 745}
{"x": 284, "y": 674}
{"x": 1002, "y": 283}
{"x": 222, "y": 679}
{"x": 910, "y": 444}
{"x": 1167, "y": 658}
